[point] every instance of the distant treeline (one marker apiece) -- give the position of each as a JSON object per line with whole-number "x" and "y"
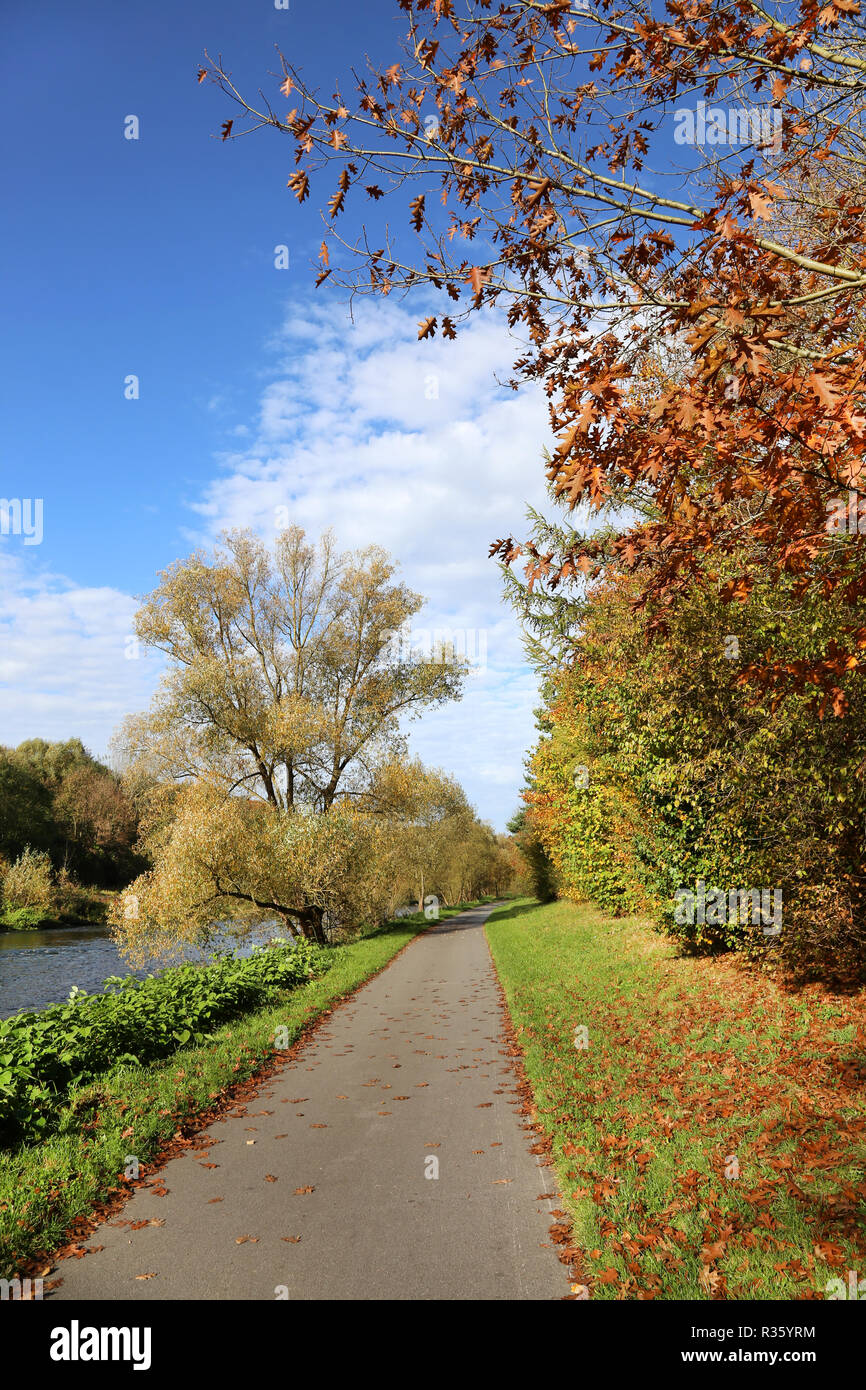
{"x": 57, "y": 798}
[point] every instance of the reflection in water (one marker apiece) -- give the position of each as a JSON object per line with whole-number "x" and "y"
{"x": 40, "y": 967}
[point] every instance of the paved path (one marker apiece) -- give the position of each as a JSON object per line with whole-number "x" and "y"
{"x": 410, "y": 1072}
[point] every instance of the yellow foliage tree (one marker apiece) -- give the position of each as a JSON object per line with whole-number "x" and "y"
{"x": 273, "y": 741}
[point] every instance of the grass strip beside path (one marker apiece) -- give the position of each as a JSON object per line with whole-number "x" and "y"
{"x": 709, "y": 1138}
{"x": 46, "y": 1187}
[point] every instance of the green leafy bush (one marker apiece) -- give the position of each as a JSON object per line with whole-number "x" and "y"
{"x": 21, "y": 918}
{"x": 44, "y": 1052}
{"x": 72, "y": 902}
{"x": 28, "y": 882}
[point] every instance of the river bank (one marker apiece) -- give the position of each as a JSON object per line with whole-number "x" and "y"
{"x": 86, "y": 907}
{"x": 40, "y": 967}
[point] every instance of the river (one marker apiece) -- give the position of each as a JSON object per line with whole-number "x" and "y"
{"x": 40, "y": 967}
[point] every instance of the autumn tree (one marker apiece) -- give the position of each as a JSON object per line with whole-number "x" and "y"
{"x": 434, "y": 817}
{"x": 653, "y": 773}
{"x": 98, "y": 824}
{"x": 57, "y": 798}
{"x": 271, "y": 738}
{"x": 228, "y": 858}
{"x": 539, "y": 867}
{"x": 439, "y": 846}
{"x": 621, "y": 180}
{"x": 283, "y": 677}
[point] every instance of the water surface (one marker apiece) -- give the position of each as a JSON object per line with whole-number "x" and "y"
{"x": 40, "y": 967}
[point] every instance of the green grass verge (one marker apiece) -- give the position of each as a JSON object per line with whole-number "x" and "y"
{"x": 135, "y": 1110}
{"x": 709, "y": 1140}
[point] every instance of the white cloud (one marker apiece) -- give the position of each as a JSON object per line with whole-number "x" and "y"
{"x": 413, "y": 446}
{"x": 64, "y": 671}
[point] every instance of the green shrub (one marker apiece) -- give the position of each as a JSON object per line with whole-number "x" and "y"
{"x": 43, "y": 1053}
{"x": 28, "y": 882}
{"x": 70, "y": 901}
{"x": 21, "y": 918}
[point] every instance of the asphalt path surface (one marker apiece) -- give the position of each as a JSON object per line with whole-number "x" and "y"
{"x": 388, "y": 1159}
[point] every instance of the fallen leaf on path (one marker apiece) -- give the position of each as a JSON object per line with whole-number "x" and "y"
{"x": 152, "y": 1275}
{"x": 300, "y": 1190}
{"x": 292, "y": 1240}
{"x": 269, "y": 1177}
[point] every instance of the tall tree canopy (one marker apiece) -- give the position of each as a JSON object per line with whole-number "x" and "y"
{"x": 274, "y": 746}
{"x": 283, "y": 678}
{"x": 57, "y": 798}
{"x": 669, "y": 193}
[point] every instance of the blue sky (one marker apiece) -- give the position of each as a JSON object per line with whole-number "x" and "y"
{"x": 155, "y": 257}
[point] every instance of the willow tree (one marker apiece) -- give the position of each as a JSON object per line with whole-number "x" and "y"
{"x": 432, "y": 819}
{"x": 283, "y": 700}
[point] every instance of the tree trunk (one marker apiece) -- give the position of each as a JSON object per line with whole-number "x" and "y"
{"x": 307, "y": 921}
{"x": 317, "y": 931}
